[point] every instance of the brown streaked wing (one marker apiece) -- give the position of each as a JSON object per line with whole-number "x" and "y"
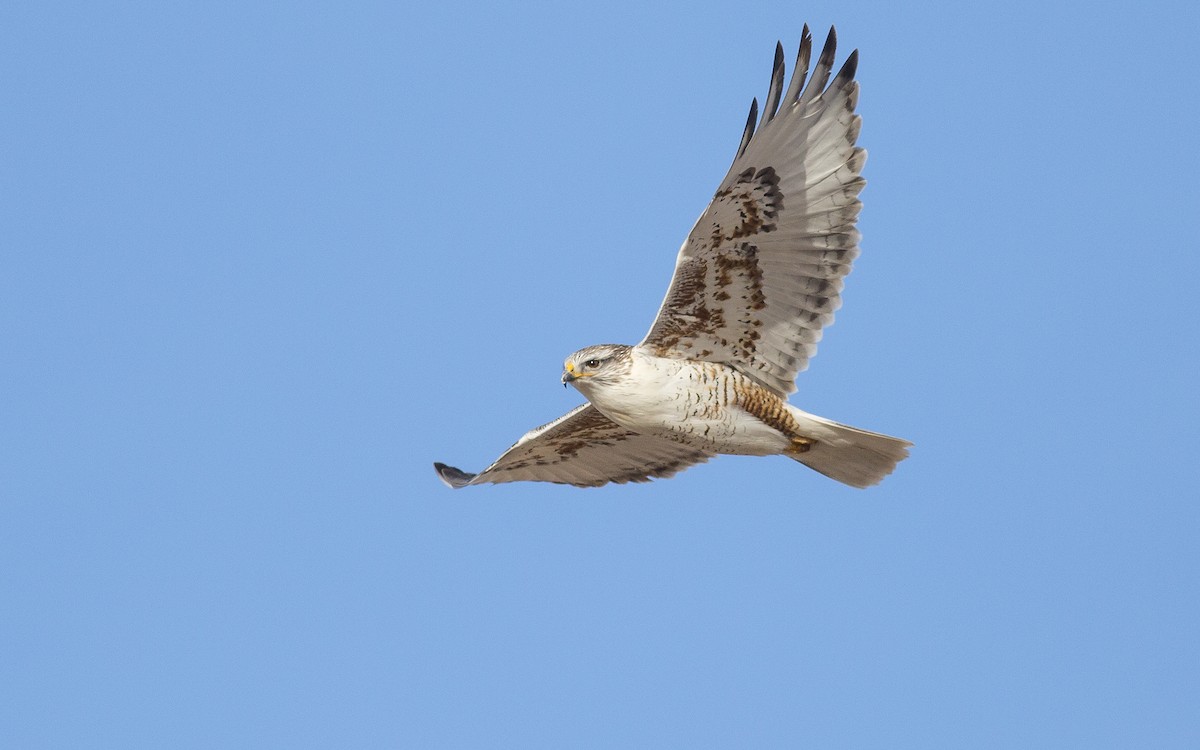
{"x": 583, "y": 448}
{"x": 760, "y": 274}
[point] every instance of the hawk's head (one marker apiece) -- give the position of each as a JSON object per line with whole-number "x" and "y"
{"x": 596, "y": 365}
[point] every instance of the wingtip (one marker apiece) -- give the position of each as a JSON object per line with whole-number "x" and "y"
{"x": 800, "y": 72}
{"x": 452, "y": 477}
{"x": 823, "y": 69}
{"x": 849, "y": 68}
{"x": 829, "y": 51}
{"x": 778, "y": 71}
{"x": 748, "y": 133}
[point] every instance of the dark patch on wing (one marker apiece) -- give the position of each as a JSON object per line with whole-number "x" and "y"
{"x": 585, "y": 449}
{"x": 716, "y": 274}
{"x": 738, "y": 269}
{"x": 748, "y": 206}
{"x": 714, "y": 297}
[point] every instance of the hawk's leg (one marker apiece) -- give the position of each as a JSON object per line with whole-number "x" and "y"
{"x": 772, "y": 410}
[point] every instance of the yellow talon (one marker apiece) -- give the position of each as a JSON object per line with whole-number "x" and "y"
{"x": 800, "y": 445}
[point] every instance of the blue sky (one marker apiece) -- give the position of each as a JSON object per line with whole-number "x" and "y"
{"x": 262, "y": 263}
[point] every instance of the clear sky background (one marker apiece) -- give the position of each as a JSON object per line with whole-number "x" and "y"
{"x": 261, "y": 264}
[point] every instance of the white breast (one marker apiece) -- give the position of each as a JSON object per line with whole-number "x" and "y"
{"x": 689, "y": 402}
{"x": 644, "y": 399}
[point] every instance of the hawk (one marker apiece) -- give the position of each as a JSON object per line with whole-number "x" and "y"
{"x": 757, "y": 280}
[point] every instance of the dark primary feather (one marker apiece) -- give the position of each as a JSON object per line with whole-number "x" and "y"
{"x": 748, "y": 133}
{"x": 801, "y": 71}
{"x": 824, "y": 68}
{"x": 776, "y": 89}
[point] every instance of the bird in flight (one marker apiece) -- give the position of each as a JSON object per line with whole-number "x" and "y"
{"x": 756, "y": 281}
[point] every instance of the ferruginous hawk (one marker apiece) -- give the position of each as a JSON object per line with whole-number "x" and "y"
{"x": 755, "y": 283}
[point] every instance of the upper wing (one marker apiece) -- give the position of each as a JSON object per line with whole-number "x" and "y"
{"x": 761, "y": 272}
{"x": 583, "y": 448}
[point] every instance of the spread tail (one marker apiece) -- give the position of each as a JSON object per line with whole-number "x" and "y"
{"x": 849, "y": 455}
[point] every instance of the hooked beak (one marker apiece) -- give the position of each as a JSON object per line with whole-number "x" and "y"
{"x": 569, "y": 374}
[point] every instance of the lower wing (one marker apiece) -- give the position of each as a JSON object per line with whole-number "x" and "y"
{"x": 583, "y": 448}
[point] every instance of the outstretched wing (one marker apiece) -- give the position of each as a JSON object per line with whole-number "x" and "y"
{"x": 761, "y": 273}
{"x": 583, "y": 448}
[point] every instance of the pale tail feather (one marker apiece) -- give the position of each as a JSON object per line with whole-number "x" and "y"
{"x": 849, "y": 455}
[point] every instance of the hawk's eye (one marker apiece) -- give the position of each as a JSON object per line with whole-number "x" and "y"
{"x": 592, "y": 363}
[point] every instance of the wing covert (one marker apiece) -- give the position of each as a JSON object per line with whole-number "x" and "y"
{"x": 582, "y": 448}
{"x": 760, "y": 275}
